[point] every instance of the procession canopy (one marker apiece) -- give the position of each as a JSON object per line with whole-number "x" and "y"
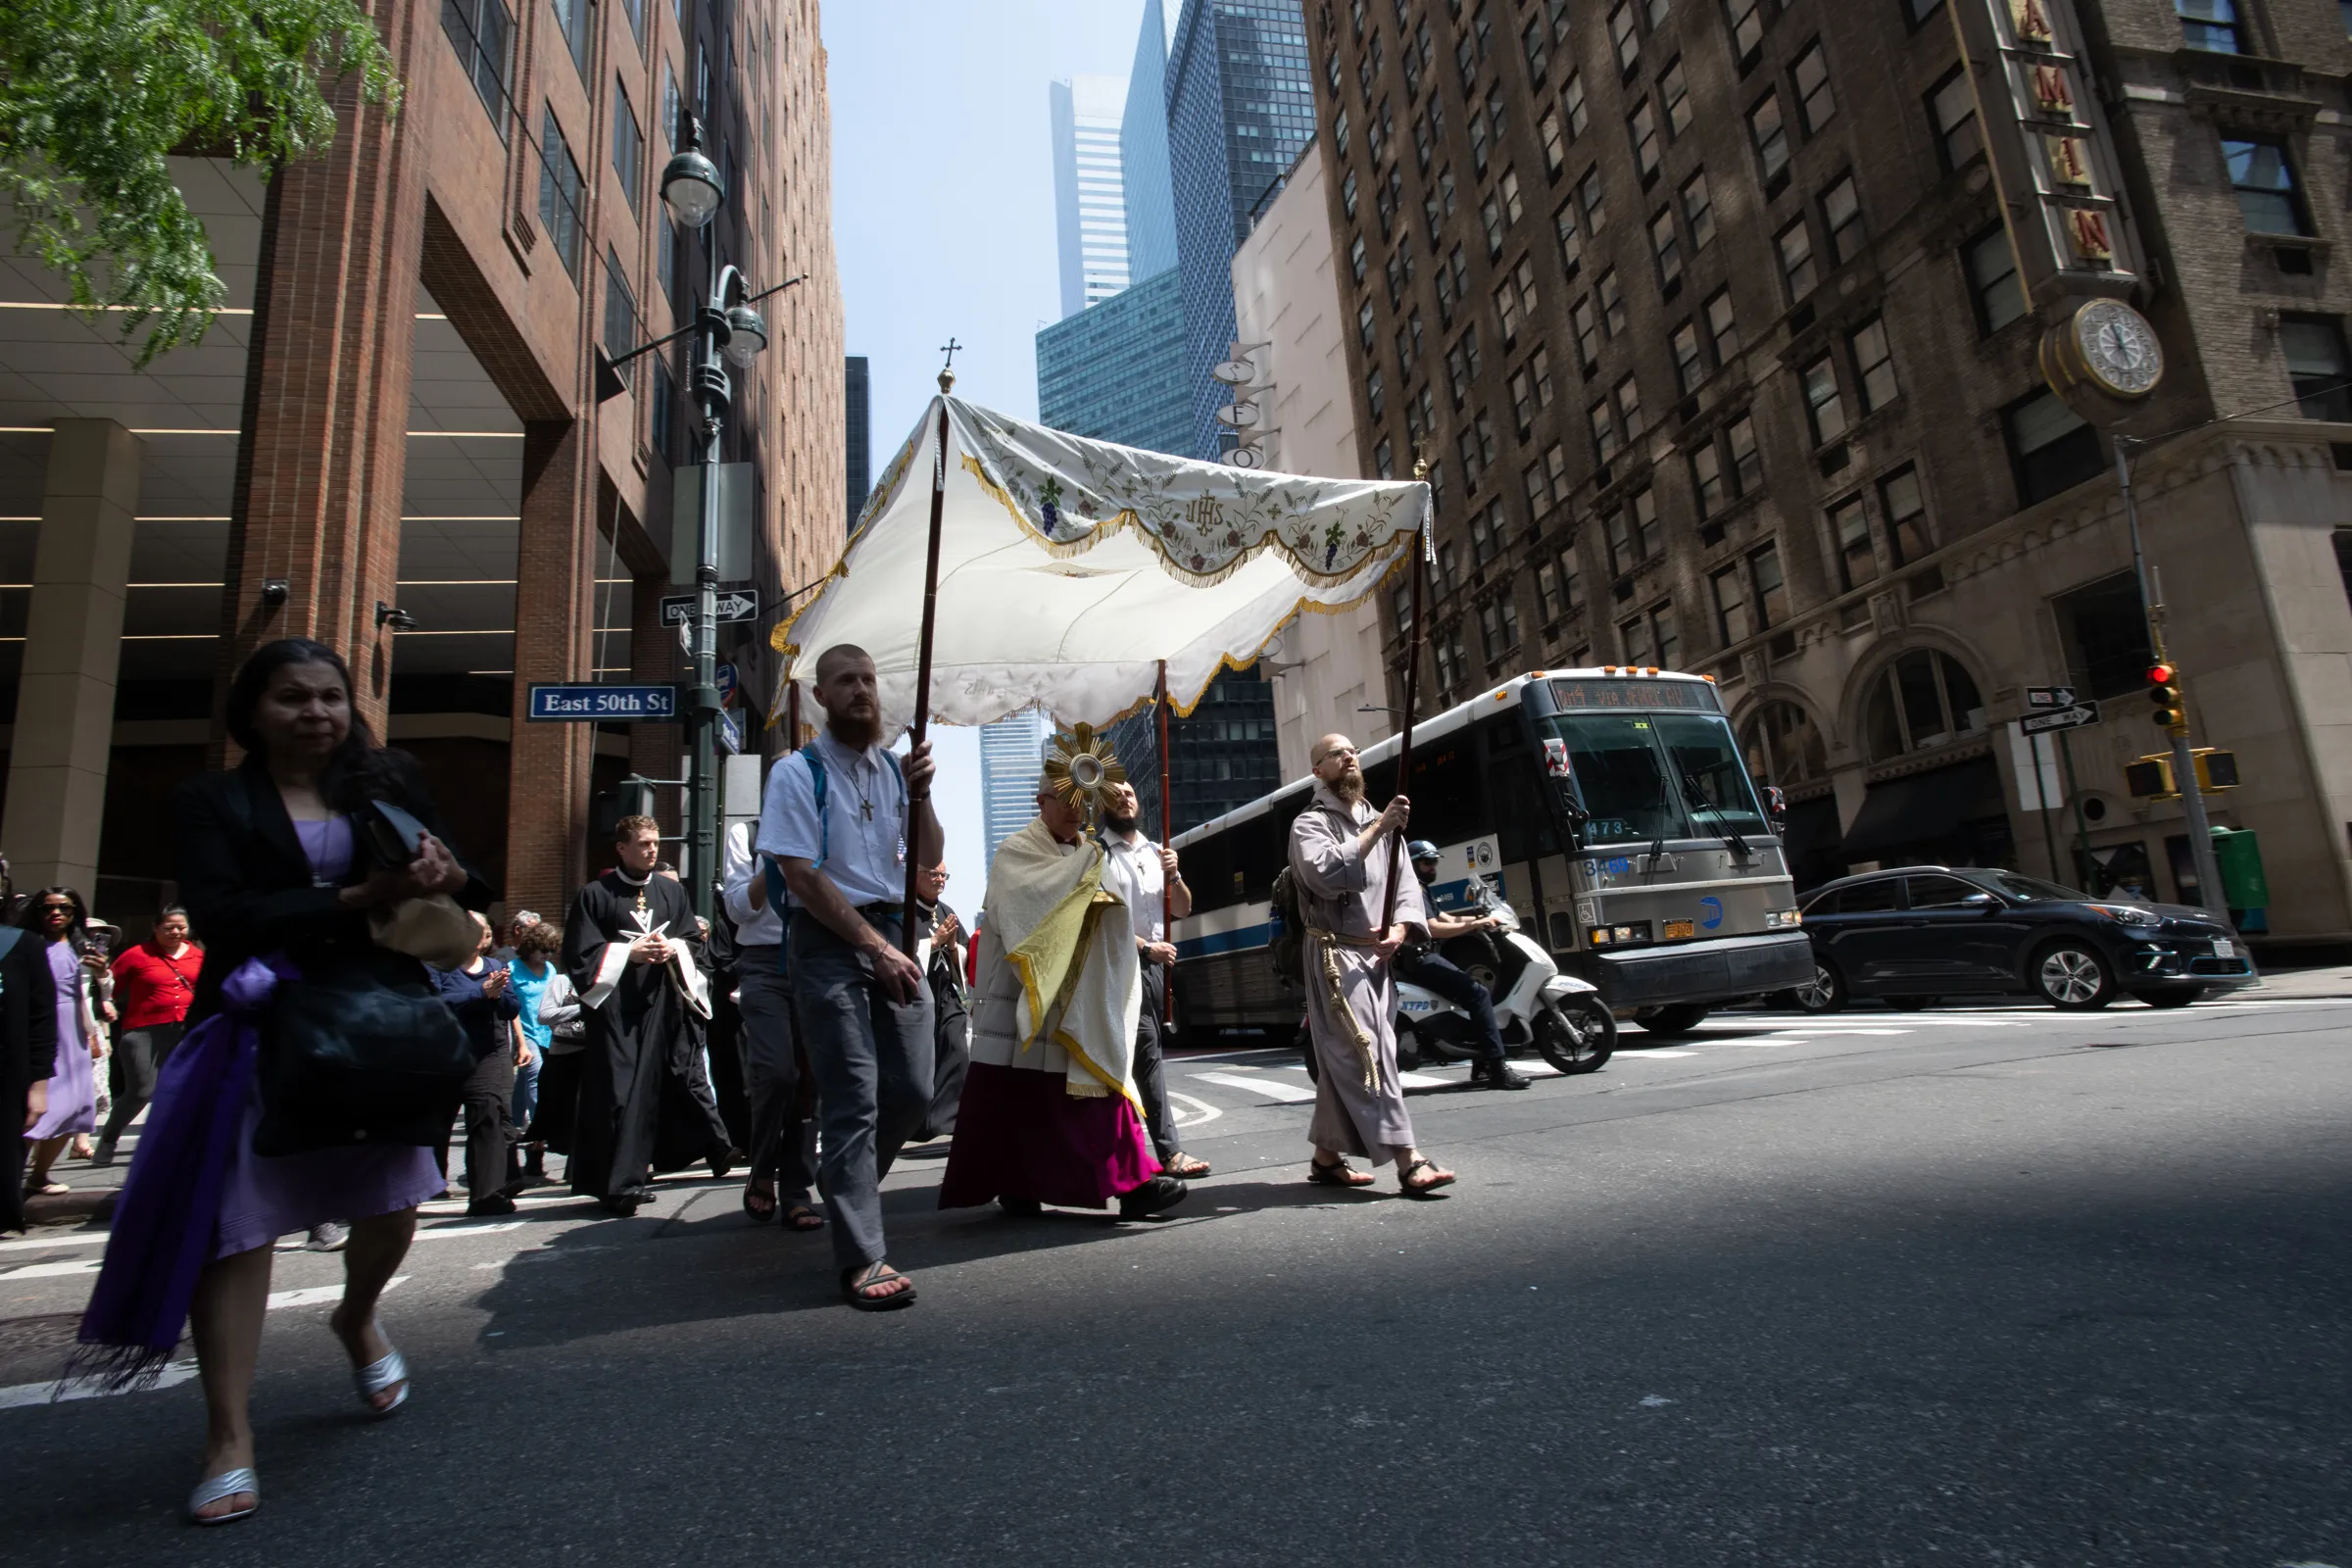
{"x": 1069, "y": 569}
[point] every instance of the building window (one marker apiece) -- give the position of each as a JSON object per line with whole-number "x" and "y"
{"x": 1675, "y": 95}
{"x": 1629, "y": 409}
{"x": 1746, "y": 18}
{"x": 1771, "y": 589}
{"x": 1849, "y": 535}
{"x": 1512, "y": 208}
{"x": 1646, "y": 536}
{"x": 1523, "y": 402}
{"x": 1751, "y": 595}
{"x": 1993, "y": 280}
{"x": 1706, "y": 480}
{"x": 1842, "y": 216}
{"x": 1588, "y": 333}
{"x": 1375, "y": 396}
{"x": 1952, "y": 111}
{"x": 1612, "y": 304}
{"x": 2265, "y": 181}
{"x": 2317, "y": 366}
{"x": 665, "y": 260}
{"x": 574, "y": 20}
{"x": 1784, "y": 746}
{"x": 1824, "y": 409}
{"x": 1771, "y": 139}
{"x": 673, "y": 108}
{"x": 1536, "y": 43}
{"x": 1364, "y": 325}
{"x": 1697, "y": 210}
{"x": 1593, "y": 199}
{"x": 1733, "y": 623}
{"x": 1689, "y": 368}
{"x": 1384, "y": 461}
{"x": 1747, "y": 461}
{"x": 1348, "y": 195}
{"x": 1571, "y": 99}
{"x": 1538, "y": 493}
{"x": 1339, "y": 133}
{"x": 1356, "y": 259}
{"x": 2211, "y": 25}
{"x": 1572, "y": 249}
{"x": 1623, "y": 38}
{"x": 1641, "y": 128}
{"x": 1619, "y": 532}
{"x": 561, "y": 193}
{"x": 1555, "y": 463}
{"x": 1499, "y": 627}
{"x": 620, "y": 312}
{"x": 1723, "y": 330}
{"x": 2104, "y": 631}
{"x": 1873, "y": 364}
{"x": 1554, "y": 145}
{"x": 628, "y": 147}
{"x": 1654, "y": 639}
{"x": 1540, "y": 365}
{"x": 1924, "y": 699}
{"x": 1400, "y": 606}
{"x": 1485, "y": 534}
{"x": 2343, "y": 536}
{"x": 2050, "y": 448}
{"x": 1906, "y": 514}
{"x": 1604, "y": 431}
{"x": 1796, "y": 247}
{"x": 664, "y": 410}
{"x": 1816, "y": 105}
{"x": 483, "y": 31}
{"x": 1667, "y": 247}
{"x": 1548, "y": 592}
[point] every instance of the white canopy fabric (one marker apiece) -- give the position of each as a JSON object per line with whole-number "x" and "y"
{"x": 1068, "y": 568}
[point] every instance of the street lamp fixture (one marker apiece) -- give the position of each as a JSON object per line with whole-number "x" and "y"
{"x": 746, "y": 337}
{"x": 690, "y": 183}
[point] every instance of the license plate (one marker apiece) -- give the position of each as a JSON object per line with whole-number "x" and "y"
{"x": 2225, "y": 950}
{"x": 1678, "y": 928}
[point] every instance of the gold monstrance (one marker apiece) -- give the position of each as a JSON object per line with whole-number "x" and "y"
{"x": 1083, "y": 770}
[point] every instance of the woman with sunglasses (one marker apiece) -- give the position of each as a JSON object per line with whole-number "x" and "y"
{"x": 57, "y": 916}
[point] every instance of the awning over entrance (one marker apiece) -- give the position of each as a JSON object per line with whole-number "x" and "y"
{"x": 1950, "y": 814}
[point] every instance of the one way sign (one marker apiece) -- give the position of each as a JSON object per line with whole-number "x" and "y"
{"x": 2074, "y": 717}
{"x": 735, "y": 604}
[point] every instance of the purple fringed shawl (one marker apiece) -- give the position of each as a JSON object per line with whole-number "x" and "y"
{"x": 171, "y": 1200}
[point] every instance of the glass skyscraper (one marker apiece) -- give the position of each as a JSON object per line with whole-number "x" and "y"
{"x": 1240, "y": 105}
{"x": 1090, "y": 203}
{"x": 1115, "y": 372}
{"x": 1011, "y": 752}
{"x": 857, "y": 407}
{"x": 1143, "y": 153}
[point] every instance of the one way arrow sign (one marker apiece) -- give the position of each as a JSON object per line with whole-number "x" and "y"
{"x": 735, "y": 604}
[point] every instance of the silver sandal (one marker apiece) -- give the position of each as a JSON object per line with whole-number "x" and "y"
{"x": 227, "y": 1483}
{"x": 377, "y": 1376}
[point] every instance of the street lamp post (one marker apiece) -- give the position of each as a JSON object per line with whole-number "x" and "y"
{"x": 726, "y": 332}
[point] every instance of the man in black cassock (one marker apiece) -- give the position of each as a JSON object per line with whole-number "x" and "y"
{"x": 633, "y": 952}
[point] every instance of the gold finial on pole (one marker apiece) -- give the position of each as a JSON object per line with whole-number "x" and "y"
{"x": 947, "y": 371}
{"x": 1421, "y": 464}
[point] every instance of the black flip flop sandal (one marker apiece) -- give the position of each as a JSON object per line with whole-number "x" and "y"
{"x": 760, "y": 1217}
{"x": 1337, "y": 1174}
{"x": 1404, "y": 1183}
{"x": 803, "y": 1217}
{"x": 852, "y": 1287}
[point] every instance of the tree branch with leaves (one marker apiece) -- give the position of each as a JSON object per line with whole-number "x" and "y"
{"x": 95, "y": 97}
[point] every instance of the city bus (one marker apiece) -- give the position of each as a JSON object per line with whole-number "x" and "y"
{"x": 1610, "y": 808}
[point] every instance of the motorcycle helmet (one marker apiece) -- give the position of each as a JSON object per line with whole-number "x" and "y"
{"x": 1420, "y": 850}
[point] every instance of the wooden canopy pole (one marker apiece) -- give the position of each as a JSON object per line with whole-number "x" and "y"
{"x": 1412, "y": 696}
{"x": 923, "y": 679}
{"x": 1167, "y": 816}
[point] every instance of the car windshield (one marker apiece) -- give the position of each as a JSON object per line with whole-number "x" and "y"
{"x": 2033, "y": 890}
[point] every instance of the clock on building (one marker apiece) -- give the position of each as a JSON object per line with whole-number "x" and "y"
{"x": 2105, "y": 348}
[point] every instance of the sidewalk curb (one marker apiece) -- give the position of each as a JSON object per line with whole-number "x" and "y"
{"x": 70, "y": 1207}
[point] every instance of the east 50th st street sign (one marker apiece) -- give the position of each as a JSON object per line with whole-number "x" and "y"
{"x": 583, "y": 703}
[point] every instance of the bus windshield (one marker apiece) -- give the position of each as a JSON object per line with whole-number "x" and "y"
{"x": 1649, "y": 776}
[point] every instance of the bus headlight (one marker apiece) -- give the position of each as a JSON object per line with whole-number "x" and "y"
{"x": 1776, "y": 919}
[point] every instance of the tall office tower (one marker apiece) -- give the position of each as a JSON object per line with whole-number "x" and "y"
{"x": 857, "y": 410}
{"x": 1743, "y": 339}
{"x": 1011, "y": 751}
{"x": 1144, "y": 152}
{"x": 1241, "y": 103}
{"x": 1090, "y": 208}
{"x": 1115, "y": 372}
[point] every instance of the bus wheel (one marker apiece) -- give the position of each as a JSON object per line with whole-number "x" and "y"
{"x": 1670, "y": 1021}
{"x": 1577, "y": 1036}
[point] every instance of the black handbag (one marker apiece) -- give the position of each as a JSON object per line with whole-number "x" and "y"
{"x": 360, "y": 1051}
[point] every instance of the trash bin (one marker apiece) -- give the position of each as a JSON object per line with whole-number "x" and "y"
{"x": 2237, "y": 855}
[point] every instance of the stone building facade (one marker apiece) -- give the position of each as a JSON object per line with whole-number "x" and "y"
{"x": 398, "y": 412}
{"x": 1706, "y": 314}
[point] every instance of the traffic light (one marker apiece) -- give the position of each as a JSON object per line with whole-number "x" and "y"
{"x": 2164, "y": 691}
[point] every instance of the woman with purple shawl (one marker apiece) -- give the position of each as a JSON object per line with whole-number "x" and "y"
{"x": 268, "y": 872}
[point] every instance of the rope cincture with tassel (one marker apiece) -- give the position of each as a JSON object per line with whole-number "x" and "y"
{"x": 1335, "y": 992}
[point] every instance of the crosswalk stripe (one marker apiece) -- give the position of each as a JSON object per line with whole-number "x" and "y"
{"x": 1271, "y": 1086}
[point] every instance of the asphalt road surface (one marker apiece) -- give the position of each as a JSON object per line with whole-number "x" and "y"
{"x": 2000, "y": 1287}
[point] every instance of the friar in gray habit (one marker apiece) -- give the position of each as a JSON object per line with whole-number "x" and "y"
{"x": 1342, "y": 860}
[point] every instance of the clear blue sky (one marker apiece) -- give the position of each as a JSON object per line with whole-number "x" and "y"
{"x": 943, "y": 224}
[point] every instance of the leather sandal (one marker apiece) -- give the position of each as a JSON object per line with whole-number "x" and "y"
{"x": 856, "y": 1282}
{"x": 1412, "y": 1189}
{"x": 1339, "y": 1173}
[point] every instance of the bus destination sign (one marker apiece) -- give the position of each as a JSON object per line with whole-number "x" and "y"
{"x": 1633, "y": 691}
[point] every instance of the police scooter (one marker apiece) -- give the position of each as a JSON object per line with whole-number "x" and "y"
{"x": 1561, "y": 1016}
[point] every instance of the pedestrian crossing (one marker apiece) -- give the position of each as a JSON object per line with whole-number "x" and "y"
{"x": 1276, "y": 1077}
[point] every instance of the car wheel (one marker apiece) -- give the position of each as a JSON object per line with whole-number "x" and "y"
{"x": 2072, "y": 977}
{"x": 1826, "y": 993}
{"x": 1577, "y": 1037}
{"x": 2180, "y": 998}
{"x": 1670, "y": 1021}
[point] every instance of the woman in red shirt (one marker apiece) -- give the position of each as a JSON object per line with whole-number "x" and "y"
{"x": 153, "y": 982}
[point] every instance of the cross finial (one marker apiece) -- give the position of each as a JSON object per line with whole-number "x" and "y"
{"x": 947, "y": 371}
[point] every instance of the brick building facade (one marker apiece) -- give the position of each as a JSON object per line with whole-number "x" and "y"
{"x": 1707, "y": 316}
{"x": 399, "y": 412}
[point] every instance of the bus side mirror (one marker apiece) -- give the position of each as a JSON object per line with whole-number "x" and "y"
{"x": 1776, "y": 807}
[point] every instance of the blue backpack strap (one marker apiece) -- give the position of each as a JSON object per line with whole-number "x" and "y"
{"x": 779, "y": 898}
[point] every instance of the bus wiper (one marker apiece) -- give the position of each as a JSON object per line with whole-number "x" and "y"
{"x": 1700, "y": 806}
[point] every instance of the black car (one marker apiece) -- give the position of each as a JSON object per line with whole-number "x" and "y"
{"x": 1927, "y": 931}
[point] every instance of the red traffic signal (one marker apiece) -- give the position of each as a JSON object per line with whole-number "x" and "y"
{"x": 2164, "y": 691}
{"x": 2161, "y": 675}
